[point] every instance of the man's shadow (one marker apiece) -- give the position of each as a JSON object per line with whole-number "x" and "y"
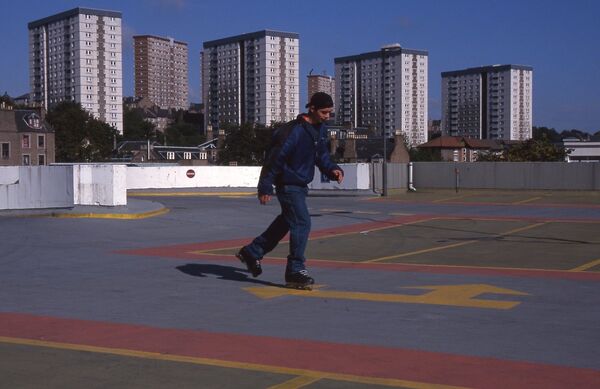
{"x": 228, "y": 273}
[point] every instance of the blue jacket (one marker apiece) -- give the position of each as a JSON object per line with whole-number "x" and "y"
{"x": 295, "y": 149}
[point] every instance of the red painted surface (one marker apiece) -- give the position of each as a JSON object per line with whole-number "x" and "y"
{"x": 371, "y": 361}
{"x": 187, "y": 251}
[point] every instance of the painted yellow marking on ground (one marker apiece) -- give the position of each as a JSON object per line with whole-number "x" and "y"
{"x": 295, "y": 383}
{"x": 451, "y": 198}
{"x": 587, "y": 266}
{"x": 401, "y": 214}
{"x": 432, "y": 249}
{"x": 215, "y": 251}
{"x": 228, "y": 364}
{"x": 527, "y": 200}
{"x": 332, "y": 210}
{"x": 367, "y": 212}
{"x": 122, "y": 216}
{"x": 175, "y": 194}
{"x": 429, "y": 250}
{"x": 453, "y": 295}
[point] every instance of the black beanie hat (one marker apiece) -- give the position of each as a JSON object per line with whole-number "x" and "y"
{"x": 320, "y": 100}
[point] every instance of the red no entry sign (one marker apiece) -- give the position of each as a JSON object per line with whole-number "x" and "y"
{"x": 190, "y": 173}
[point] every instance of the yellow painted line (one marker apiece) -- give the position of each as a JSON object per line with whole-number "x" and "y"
{"x": 176, "y": 194}
{"x": 420, "y": 251}
{"x": 587, "y": 266}
{"x": 449, "y": 295}
{"x": 332, "y": 210}
{"x": 227, "y": 364}
{"x": 121, "y": 216}
{"x": 401, "y": 214}
{"x": 295, "y": 383}
{"x": 450, "y": 245}
{"x": 527, "y": 200}
{"x": 367, "y": 212}
{"x": 215, "y": 251}
{"x": 451, "y": 198}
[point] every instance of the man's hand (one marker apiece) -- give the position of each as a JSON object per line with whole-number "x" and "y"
{"x": 264, "y": 198}
{"x": 338, "y": 176}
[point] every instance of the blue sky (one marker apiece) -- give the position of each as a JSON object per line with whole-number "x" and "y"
{"x": 560, "y": 39}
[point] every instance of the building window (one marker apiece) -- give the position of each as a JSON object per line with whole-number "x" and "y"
{"x": 26, "y": 160}
{"x": 41, "y": 141}
{"x": 5, "y": 150}
{"x": 26, "y": 142}
{"x": 41, "y": 159}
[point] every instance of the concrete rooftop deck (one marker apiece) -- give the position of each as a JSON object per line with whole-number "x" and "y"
{"x": 476, "y": 289}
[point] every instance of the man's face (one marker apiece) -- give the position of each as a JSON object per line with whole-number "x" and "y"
{"x": 320, "y": 115}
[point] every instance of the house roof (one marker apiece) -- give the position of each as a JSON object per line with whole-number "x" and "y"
{"x": 444, "y": 142}
{"x": 23, "y": 120}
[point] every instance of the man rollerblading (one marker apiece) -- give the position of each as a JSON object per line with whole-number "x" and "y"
{"x": 296, "y": 147}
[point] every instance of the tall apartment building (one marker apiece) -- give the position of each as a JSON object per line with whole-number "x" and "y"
{"x": 490, "y": 102}
{"x": 76, "y": 56}
{"x": 385, "y": 90}
{"x": 251, "y": 78}
{"x": 321, "y": 83}
{"x": 161, "y": 71}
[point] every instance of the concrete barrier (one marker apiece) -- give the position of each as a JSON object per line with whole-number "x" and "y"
{"x": 100, "y": 184}
{"x": 29, "y": 187}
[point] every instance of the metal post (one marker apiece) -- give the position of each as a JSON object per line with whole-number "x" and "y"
{"x": 456, "y": 173}
{"x": 411, "y": 186}
{"x": 384, "y": 166}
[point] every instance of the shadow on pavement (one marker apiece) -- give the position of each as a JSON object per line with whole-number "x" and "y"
{"x": 223, "y": 272}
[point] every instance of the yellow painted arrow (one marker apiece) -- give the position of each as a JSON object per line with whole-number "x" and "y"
{"x": 453, "y": 295}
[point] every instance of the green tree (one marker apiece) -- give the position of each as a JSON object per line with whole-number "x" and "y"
{"x": 245, "y": 144}
{"x": 78, "y": 136}
{"x": 550, "y": 133}
{"x": 135, "y": 127}
{"x": 183, "y": 134}
{"x": 574, "y": 133}
{"x": 536, "y": 150}
{"x": 532, "y": 150}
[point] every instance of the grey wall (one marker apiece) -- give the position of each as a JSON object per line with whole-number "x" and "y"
{"x": 508, "y": 175}
{"x": 490, "y": 175}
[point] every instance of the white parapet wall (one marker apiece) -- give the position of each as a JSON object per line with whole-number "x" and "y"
{"x": 356, "y": 176}
{"x": 155, "y": 177}
{"x": 28, "y": 187}
{"x": 100, "y": 184}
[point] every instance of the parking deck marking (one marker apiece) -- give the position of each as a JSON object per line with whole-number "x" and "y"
{"x": 369, "y": 364}
{"x": 296, "y": 382}
{"x": 450, "y": 295}
{"x": 451, "y": 245}
{"x": 527, "y": 200}
{"x": 587, "y": 266}
{"x": 304, "y": 376}
{"x": 451, "y": 198}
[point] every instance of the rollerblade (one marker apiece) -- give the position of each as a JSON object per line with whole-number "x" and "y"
{"x": 253, "y": 265}
{"x": 299, "y": 280}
